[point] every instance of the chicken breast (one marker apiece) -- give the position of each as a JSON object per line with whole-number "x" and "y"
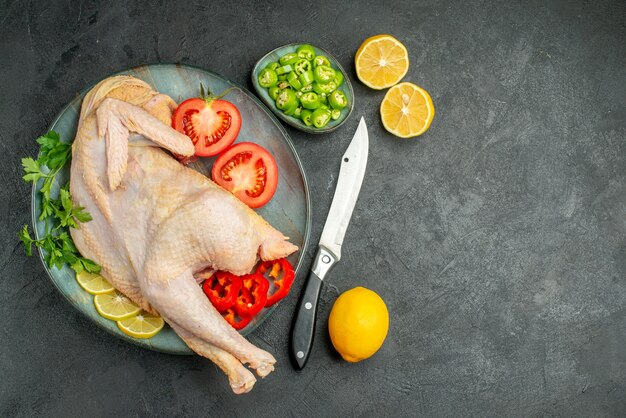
{"x": 156, "y": 222}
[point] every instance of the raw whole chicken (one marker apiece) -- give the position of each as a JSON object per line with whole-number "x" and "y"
{"x": 156, "y": 222}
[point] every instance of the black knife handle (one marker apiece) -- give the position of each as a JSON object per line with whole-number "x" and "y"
{"x": 304, "y": 321}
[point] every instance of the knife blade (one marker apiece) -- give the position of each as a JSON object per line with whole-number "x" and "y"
{"x": 351, "y": 173}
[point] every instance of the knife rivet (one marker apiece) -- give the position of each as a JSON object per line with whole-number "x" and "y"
{"x": 299, "y": 354}
{"x": 308, "y": 305}
{"x": 346, "y": 159}
{"x": 325, "y": 259}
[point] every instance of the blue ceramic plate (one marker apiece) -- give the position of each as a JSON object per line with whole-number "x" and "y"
{"x": 346, "y": 88}
{"x": 289, "y": 211}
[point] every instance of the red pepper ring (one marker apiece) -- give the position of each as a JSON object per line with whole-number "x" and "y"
{"x": 282, "y": 285}
{"x": 222, "y": 289}
{"x": 252, "y": 295}
{"x": 231, "y": 318}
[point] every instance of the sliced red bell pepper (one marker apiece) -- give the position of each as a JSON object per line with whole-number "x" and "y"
{"x": 222, "y": 290}
{"x": 252, "y": 295}
{"x": 282, "y": 285}
{"x": 231, "y": 317}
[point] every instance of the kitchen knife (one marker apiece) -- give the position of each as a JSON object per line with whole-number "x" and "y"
{"x": 328, "y": 253}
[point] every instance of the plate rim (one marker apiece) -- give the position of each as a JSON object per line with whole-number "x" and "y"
{"x": 263, "y": 107}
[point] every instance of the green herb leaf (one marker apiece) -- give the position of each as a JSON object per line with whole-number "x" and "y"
{"x": 89, "y": 265}
{"x": 59, "y": 214}
{"x": 26, "y": 240}
{"x": 48, "y": 141}
{"x": 80, "y": 214}
{"x": 32, "y": 170}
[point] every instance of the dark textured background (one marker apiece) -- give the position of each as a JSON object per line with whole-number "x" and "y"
{"x": 498, "y": 239}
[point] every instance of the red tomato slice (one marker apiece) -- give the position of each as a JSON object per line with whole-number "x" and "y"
{"x": 212, "y": 125}
{"x": 248, "y": 171}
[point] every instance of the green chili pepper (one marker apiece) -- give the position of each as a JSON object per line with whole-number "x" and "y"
{"x": 272, "y": 65}
{"x": 306, "y": 51}
{"x": 268, "y": 78}
{"x": 302, "y": 66}
{"x": 287, "y": 59}
{"x": 324, "y": 88}
{"x": 338, "y": 78}
{"x": 282, "y": 77}
{"x": 292, "y": 78}
{"x": 335, "y": 113}
{"x": 283, "y": 84}
{"x": 274, "y": 91}
{"x": 323, "y": 74}
{"x": 321, "y": 60}
{"x": 305, "y": 115}
{"x": 298, "y": 112}
{"x": 306, "y": 78}
{"x": 307, "y": 88}
{"x": 320, "y": 117}
{"x": 310, "y": 100}
{"x": 285, "y": 69}
{"x": 286, "y": 100}
{"x": 337, "y": 100}
{"x": 292, "y": 110}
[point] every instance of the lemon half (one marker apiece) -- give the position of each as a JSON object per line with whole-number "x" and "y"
{"x": 407, "y": 110}
{"x": 381, "y": 61}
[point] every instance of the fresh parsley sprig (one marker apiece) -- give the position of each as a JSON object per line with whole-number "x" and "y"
{"x": 59, "y": 210}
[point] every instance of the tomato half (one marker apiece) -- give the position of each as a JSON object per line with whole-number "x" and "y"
{"x": 248, "y": 171}
{"x": 212, "y": 125}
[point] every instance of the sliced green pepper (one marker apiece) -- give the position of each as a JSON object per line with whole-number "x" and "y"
{"x": 285, "y": 69}
{"x": 335, "y": 113}
{"x": 323, "y": 74}
{"x": 305, "y": 115}
{"x": 338, "y": 78}
{"x": 323, "y": 99}
{"x": 321, "y": 60}
{"x": 283, "y": 84}
{"x": 306, "y": 78}
{"x": 268, "y": 78}
{"x": 307, "y": 88}
{"x": 272, "y": 65}
{"x": 287, "y": 59}
{"x": 324, "y": 88}
{"x": 286, "y": 100}
{"x": 274, "y": 91}
{"x": 320, "y": 117}
{"x": 306, "y": 51}
{"x": 310, "y": 100}
{"x": 337, "y": 100}
{"x": 298, "y": 112}
{"x": 302, "y": 66}
{"x": 282, "y": 77}
{"x": 292, "y": 109}
{"x": 292, "y": 78}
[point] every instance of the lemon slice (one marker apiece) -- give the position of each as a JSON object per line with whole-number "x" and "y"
{"x": 381, "y": 61}
{"x": 143, "y": 325}
{"x": 115, "y": 306}
{"x": 94, "y": 283}
{"x": 407, "y": 110}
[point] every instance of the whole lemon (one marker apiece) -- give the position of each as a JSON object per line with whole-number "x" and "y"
{"x": 358, "y": 324}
